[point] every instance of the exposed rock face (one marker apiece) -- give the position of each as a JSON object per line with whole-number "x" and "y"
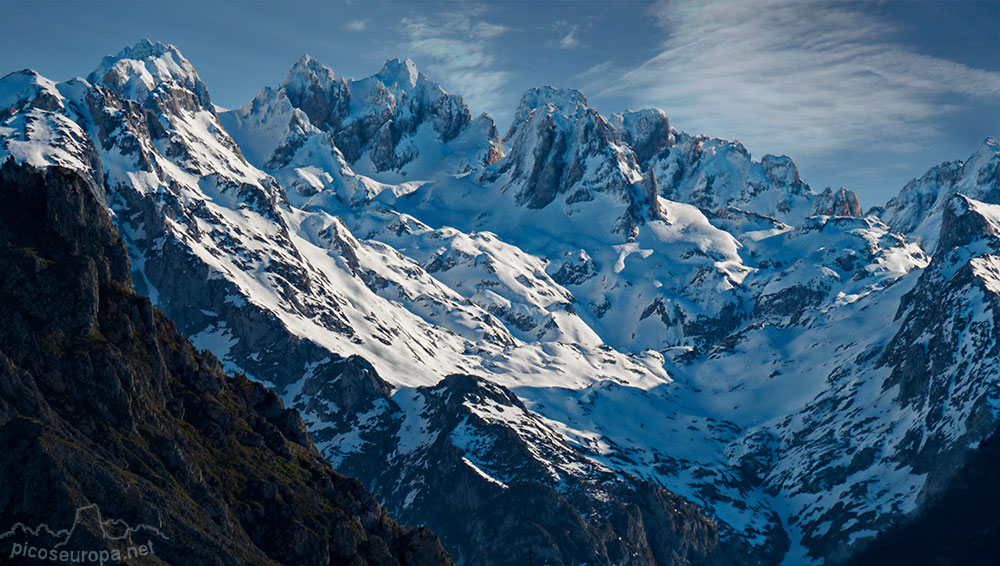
{"x": 377, "y": 117}
{"x": 840, "y": 203}
{"x": 962, "y": 274}
{"x": 561, "y": 148}
{"x": 935, "y": 399}
{"x": 103, "y": 402}
{"x": 497, "y": 497}
{"x": 918, "y": 209}
{"x": 153, "y": 70}
{"x": 958, "y": 526}
{"x": 713, "y": 174}
{"x": 647, "y": 132}
{"x": 312, "y": 88}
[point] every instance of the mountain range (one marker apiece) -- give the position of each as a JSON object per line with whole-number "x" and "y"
{"x": 585, "y": 340}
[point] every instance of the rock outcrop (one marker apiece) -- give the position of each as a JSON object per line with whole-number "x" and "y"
{"x": 103, "y": 403}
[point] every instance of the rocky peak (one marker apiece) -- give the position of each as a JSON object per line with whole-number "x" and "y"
{"x": 781, "y": 171}
{"x": 145, "y": 49}
{"x": 645, "y": 131}
{"x": 104, "y": 405}
{"x": 400, "y": 94}
{"x": 918, "y": 208}
{"x": 984, "y": 167}
{"x": 311, "y": 87}
{"x": 560, "y": 146}
{"x": 27, "y": 88}
{"x": 138, "y": 71}
{"x": 840, "y": 203}
{"x": 713, "y": 174}
{"x": 986, "y": 151}
{"x": 398, "y": 74}
{"x": 967, "y": 221}
{"x": 307, "y": 72}
{"x": 376, "y": 117}
{"x": 565, "y": 101}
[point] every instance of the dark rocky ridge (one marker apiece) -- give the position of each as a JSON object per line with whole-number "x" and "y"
{"x": 960, "y": 526}
{"x": 511, "y": 508}
{"x": 103, "y": 402}
{"x": 841, "y": 202}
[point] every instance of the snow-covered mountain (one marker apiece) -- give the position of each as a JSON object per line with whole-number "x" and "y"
{"x": 619, "y": 342}
{"x": 919, "y": 208}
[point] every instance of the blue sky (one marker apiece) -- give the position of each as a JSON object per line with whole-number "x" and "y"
{"x": 866, "y": 95}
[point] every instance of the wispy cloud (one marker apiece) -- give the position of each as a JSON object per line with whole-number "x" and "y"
{"x": 461, "y": 48}
{"x": 567, "y": 38}
{"x": 357, "y": 25}
{"x": 803, "y": 76}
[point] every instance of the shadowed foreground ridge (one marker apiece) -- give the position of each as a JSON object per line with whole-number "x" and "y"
{"x": 103, "y": 402}
{"x": 959, "y": 526}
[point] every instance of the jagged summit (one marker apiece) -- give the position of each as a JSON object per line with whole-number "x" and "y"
{"x": 144, "y": 48}
{"x": 400, "y": 73}
{"x": 306, "y": 72}
{"x": 566, "y": 101}
{"x": 966, "y": 221}
{"x": 140, "y": 69}
{"x": 646, "y": 131}
{"x": 781, "y": 170}
{"x": 917, "y": 209}
{"x": 312, "y": 88}
{"x": 559, "y": 146}
{"x": 376, "y": 120}
{"x": 841, "y": 202}
{"x": 988, "y": 147}
{"x": 28, "y": 86}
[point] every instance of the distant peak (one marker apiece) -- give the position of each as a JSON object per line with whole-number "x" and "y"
{"x": 140, "y": 68}
{"x": 401, "y": 72}
{"x": 965, "y": 221}
{"x": 781, "y": 170}
{"x": 22, "y": 74}
{"x": 146, "y": 49}
{"x": 307, "y": 71}
{"x": 307, "y": 62}
{"x": 27, "y": 77}
{"x": 647, "y": 131}
{"x": 988, "y": 148}
{"x": 27, "y": 84}
{"x": 842, "y": 202}
{"x": 644, "y": 114}
{"x": 566, "y": 101}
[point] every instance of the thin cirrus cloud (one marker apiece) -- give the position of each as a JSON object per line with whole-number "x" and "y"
{"x": 807, "y": 76}
{"x": 567, "y": 39}
{"x": 357, "y": 25}
{"x": 461, "y": 50}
